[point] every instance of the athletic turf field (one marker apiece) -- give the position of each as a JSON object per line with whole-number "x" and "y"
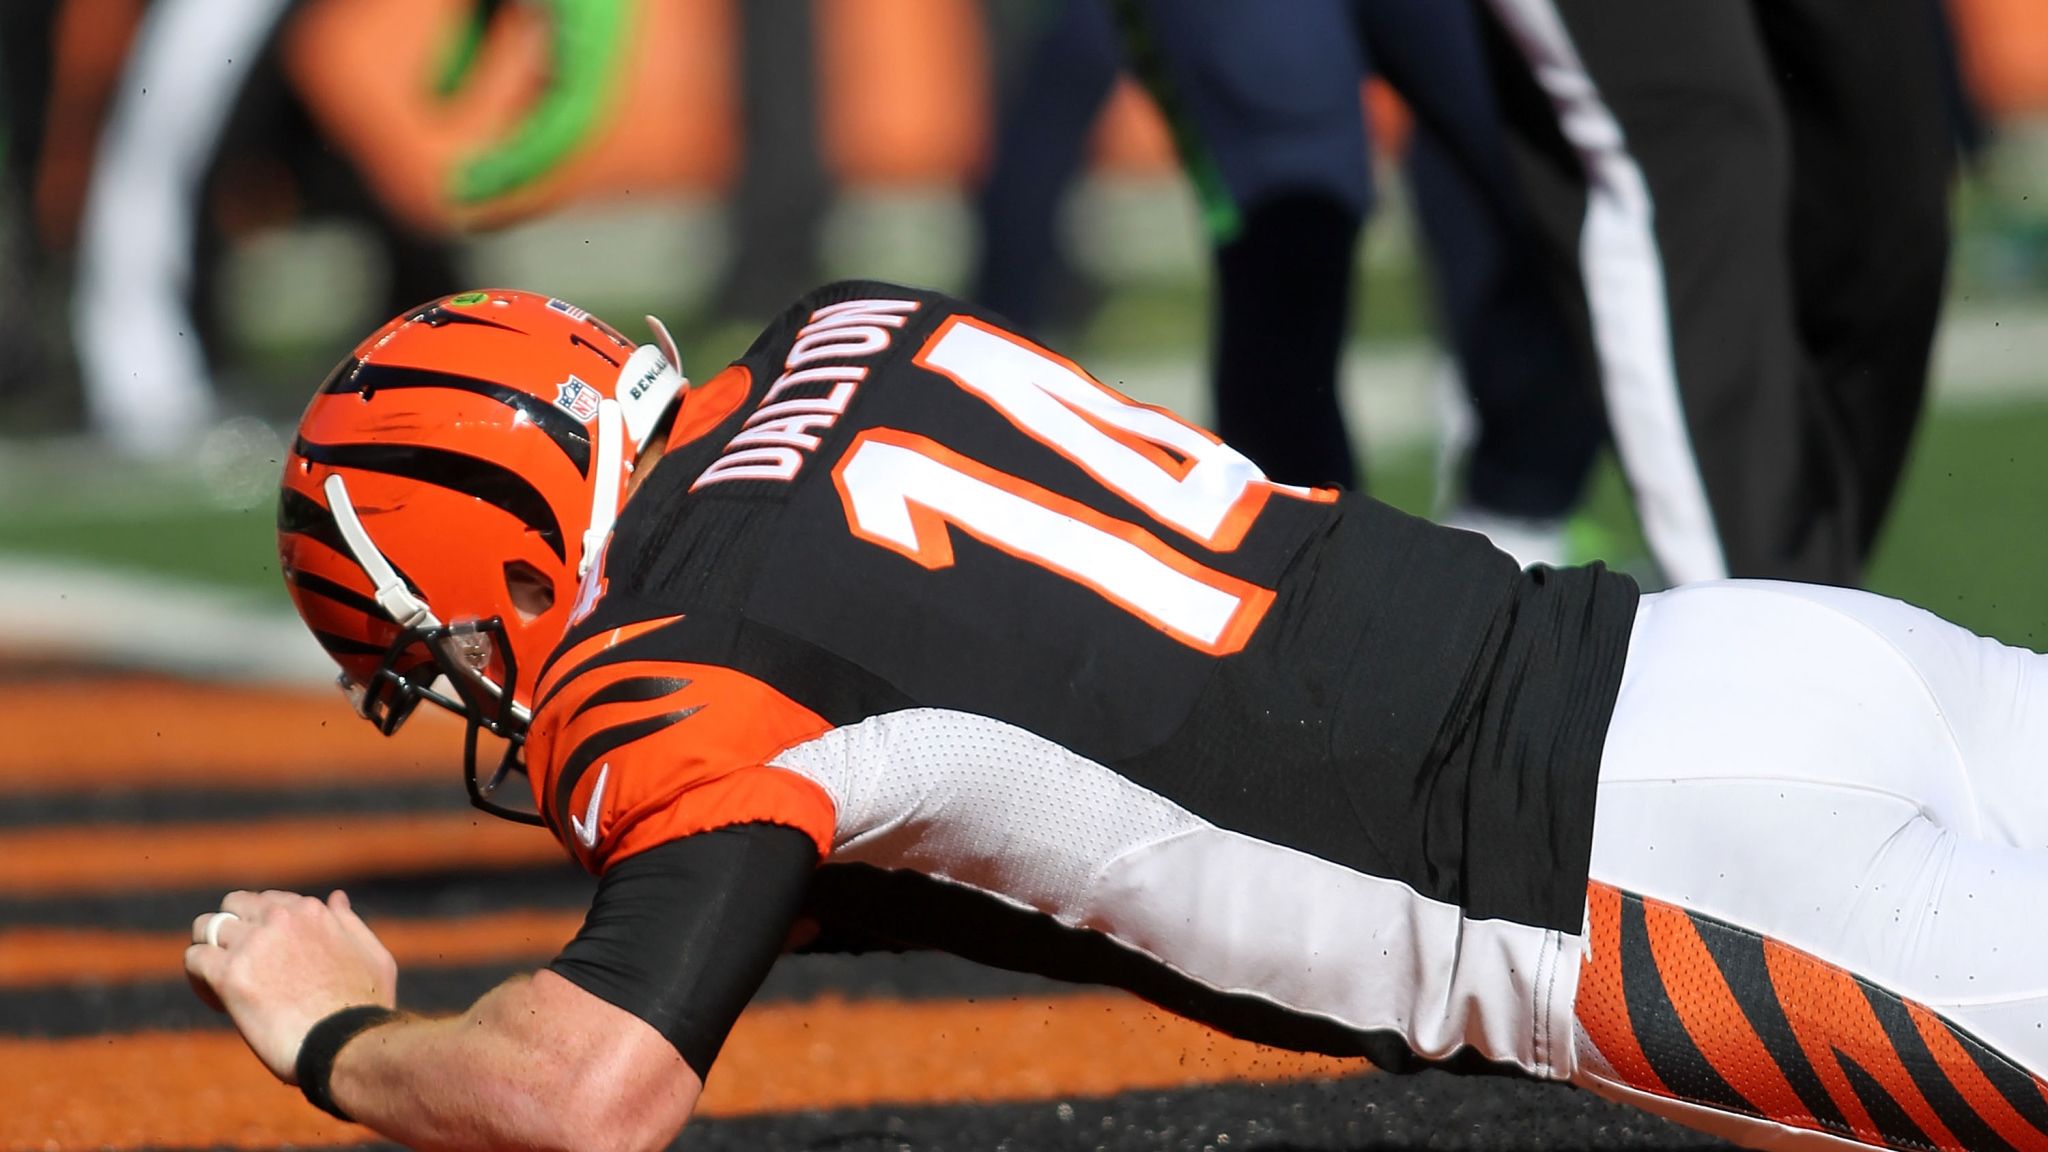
{"x": 130, "y": 799}
{"x": 131, "y": 802}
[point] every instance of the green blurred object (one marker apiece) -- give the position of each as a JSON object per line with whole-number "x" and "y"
{"x": 587, "y": 42}
{"x": 458, "y": 56}
{"x": 1220, "y": 216}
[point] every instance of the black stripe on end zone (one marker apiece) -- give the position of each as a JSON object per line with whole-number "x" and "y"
{"x": 58, "y": 1011}
{"x": 175, "y": 805}
{"x": 453, "y": 892}
{"x": 472, "y": 476}
{"x": 1739, "y": 954}
{"x": 1393, "y": 1113}
{"x": 63, "y": 1011}
{"x": 1665, "y": 1042}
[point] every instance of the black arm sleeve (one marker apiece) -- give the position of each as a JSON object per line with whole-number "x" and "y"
{"x": 681, "y": 935}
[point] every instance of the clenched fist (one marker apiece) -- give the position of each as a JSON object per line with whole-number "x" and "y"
{"x": 281, "y": 962}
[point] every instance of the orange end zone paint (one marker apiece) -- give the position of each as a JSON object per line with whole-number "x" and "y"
{"x": 137, "y": 732}
{"x": 272, "y": 854}
{"x": 205, "y": 1090}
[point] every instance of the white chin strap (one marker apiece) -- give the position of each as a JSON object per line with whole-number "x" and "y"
{"x": 648, "y": 384}
{"x": 393, "y": 596}
{"x": 604, "y": 495}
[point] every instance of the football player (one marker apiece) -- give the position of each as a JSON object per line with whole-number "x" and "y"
{"x": 908, "y": 624}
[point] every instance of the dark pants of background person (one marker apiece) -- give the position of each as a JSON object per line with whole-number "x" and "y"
{"x": 1269, "y": 97}
{"x": 26, "y": 66}
{"x": 1756, "y": 196}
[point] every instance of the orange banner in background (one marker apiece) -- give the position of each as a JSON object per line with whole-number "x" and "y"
{"x": 903, "y": 96}
{"x": 366, "y": 68}
{"x": 2004, "y": 49}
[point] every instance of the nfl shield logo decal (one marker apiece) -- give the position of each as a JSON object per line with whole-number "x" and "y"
{"x": 577, "y": 399}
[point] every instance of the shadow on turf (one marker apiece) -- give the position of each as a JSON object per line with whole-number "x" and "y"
{"x": 1432, "y": 1112}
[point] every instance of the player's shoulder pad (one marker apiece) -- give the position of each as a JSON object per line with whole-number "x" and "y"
{"x": 631, "y": 748}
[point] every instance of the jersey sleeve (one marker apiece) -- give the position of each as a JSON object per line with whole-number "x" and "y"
{"x": 682, "y": 935}
{"x": 639, "y": 753}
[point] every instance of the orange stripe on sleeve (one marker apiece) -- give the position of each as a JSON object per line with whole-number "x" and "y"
{"x": 566, "y": 663}
{"x": 662, "y": 749}
{"x": 752, "y": 795}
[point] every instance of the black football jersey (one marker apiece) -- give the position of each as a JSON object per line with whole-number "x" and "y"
{"x": 1058, "y": 680}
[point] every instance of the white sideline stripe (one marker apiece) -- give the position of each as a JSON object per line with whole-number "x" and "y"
{"x": 138, "y": 620}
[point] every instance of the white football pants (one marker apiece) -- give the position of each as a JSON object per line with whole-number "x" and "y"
{"x": 1819, "y": 909}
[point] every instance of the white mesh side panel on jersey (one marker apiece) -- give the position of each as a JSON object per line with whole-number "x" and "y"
{"x": 983, "y": 804}
{"x": 964, "y": 798}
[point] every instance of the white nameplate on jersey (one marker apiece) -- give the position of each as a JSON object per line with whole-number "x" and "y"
{"x": 819, "y": 377}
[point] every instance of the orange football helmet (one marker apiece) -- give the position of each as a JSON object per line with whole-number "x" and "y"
{"x": 450, "y": 484}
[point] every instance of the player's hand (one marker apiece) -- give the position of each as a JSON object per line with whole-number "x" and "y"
{"x": 284, "y": 961}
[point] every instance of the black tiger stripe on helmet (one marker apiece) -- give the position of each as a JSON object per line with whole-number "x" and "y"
{"x": 472, "y": 476}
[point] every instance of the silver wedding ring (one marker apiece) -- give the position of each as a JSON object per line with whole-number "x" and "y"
{"x": 213, "y": 924}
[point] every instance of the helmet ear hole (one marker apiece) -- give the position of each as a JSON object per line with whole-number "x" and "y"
{"x": 530, "y": 590}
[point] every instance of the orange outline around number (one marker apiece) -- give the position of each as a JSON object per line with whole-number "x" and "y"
{"x": 1230, "y": 530}
{"x": 934, "y": 548}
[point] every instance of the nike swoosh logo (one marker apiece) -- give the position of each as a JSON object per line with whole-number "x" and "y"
{"x": 586, "y": 826}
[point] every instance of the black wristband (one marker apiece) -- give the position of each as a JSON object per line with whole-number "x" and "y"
{"x": 317, "y": 1052}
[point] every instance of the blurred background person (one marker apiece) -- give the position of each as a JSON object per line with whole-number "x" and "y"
{"x": 203, "y": 106}
{"x": 58, "y": 60}
{"x": 1276, "y": 143}
{"x": 140, "y": 359}
{"x": 1756, "y": 197}
{"x": 779, "y": 205}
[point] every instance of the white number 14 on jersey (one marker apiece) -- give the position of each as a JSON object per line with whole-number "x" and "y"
{"x": 903, "y": 491}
